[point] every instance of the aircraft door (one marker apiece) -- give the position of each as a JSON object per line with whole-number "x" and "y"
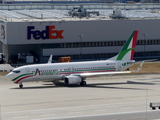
{"x": 119, "y": 66}
{"x": 27, "y": 70}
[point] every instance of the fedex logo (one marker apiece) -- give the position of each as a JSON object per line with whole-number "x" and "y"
{"x": 48, "y": 33}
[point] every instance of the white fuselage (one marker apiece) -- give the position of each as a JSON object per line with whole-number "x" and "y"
{"x": 57, "y": 71}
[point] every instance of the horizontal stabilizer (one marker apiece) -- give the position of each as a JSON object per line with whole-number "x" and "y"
{"x": 139, "y": 67}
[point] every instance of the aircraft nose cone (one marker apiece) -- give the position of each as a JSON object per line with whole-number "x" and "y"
{"x": 10, "y": 75}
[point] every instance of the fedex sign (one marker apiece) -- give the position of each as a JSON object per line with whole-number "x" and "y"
{"x": 48, "y": 33}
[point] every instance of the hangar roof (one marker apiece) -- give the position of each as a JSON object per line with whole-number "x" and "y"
{"x": 62, "y": 15}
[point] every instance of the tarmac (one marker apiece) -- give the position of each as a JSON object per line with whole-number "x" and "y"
{"x": 104, "y": 95}
{"x": 6, "y": 67}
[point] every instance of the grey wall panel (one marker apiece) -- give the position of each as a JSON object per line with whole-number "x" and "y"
{"x": 150, "y": 48}
{"x": 71, "y": 51}
{"x": 74, "y": 51}
{"x": 96, "y": 50}
{"x": 108, "y": 30}
{"x": 139, "y": 48}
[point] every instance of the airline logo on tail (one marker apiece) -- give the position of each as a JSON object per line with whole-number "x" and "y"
{"x": 128, "y": 49}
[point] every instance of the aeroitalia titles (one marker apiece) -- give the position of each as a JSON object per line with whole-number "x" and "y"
{"x": 48, "y": 33}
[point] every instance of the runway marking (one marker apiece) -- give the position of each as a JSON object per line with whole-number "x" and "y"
{"x": 126, "y": 108}
{"x": 74, "y": 112}
{"x": 75, "y": 107}
{"x": 94, "y": 115}
{"x": 20, "y": 117}
{"x": 47, "y": 114}
{"x": 100, "y": 110}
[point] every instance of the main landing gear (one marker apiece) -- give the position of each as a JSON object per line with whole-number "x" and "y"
{"x": 83, "y": 83}
{"x": 21, "y": 86}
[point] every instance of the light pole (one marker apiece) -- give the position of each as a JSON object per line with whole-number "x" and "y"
{"x": 81, "y": 36}
{"x": 144, "y": 44}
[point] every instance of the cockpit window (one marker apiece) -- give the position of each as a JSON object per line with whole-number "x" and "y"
{"x": 16, "y": 71}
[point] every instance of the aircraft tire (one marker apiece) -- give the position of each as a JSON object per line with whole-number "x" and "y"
{"x": 83, "y": 83}
{"x": 21, "y": 86}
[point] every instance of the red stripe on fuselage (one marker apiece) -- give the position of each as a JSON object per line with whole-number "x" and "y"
{"x": 22, "y": 79}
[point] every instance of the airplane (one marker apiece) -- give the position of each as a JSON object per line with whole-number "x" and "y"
{"x": 77, "y": 72}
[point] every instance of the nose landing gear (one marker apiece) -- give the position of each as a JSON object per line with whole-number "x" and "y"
{"x": 21, "y": 86}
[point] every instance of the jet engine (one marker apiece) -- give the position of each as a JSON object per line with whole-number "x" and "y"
{"x": 72, "y": 79}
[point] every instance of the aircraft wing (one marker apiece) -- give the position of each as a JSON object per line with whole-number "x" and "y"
{"x": 139, "y": 67}
{"x": 103, "y": 73}
{"x": 110, "y": 73}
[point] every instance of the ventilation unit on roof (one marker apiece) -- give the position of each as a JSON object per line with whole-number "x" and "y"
{"x": 117, "y": 14}
{"x": 81, "y": 12}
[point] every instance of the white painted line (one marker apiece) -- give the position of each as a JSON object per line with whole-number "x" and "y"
{"x": 126, "y": 108}
{"x": 75, "y": 107}
{"x": 100, "y": 110}
{"x": 47, "y": 114}
{"x": 74, "y": 112}
{"x": 20, "y": 117}
{"x": 93, "y": 115}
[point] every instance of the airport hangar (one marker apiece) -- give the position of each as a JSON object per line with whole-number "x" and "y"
{"x": 52, "y": 31}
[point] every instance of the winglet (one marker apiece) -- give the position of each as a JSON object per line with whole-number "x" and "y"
{"x": 139, "y": 67}
{"x": 50, "y": 59}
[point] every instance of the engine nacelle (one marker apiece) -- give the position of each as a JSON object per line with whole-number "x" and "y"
{"x": 72, "y": 79}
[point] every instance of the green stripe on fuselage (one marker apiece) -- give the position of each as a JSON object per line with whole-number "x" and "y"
{"x": 85, "y": 70}
{"x": 22, "y": 76}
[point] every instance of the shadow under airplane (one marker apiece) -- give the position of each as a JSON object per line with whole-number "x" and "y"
{"x": 91, "y": 85}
